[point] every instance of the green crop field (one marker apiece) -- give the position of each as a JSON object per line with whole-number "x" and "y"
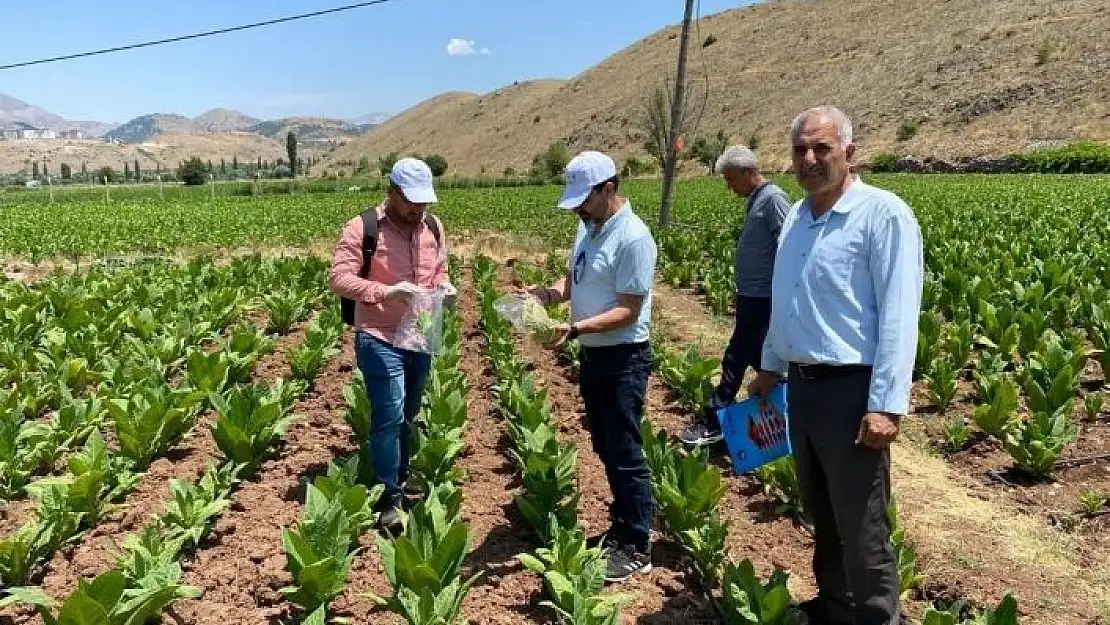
{"x": 184, "y": 432}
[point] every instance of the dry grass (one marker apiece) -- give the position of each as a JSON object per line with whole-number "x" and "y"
{"x": 966, "y": 70}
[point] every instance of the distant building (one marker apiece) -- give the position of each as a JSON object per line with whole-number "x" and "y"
{"x": 11, "y": 134}
{"x": 47, "y": 134}
{"x": 30, "y": 133}
{"x": 73, "y": 134}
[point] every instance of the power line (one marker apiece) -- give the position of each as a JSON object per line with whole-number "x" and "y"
{"x": 209, "y": 33}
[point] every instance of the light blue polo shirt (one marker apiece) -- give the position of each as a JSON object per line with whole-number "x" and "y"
{"x": 619, "y": 258}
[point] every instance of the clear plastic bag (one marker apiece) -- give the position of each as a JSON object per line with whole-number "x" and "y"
{"x": 528, "y": 316}
{"x": 421, "y": 327}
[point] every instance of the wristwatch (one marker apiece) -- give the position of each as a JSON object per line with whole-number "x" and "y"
{"x": 572, "y": 333}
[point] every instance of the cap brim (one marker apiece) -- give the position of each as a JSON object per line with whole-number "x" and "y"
{"x": 421, "y": 195}
{"x": 573, "y": 198}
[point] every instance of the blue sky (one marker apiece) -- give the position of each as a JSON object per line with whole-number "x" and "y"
{"x": 381, "y": 58}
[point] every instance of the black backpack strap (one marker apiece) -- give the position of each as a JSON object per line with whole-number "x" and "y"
{"x": 433, "y": 225}
{"x": 369, "y": 240}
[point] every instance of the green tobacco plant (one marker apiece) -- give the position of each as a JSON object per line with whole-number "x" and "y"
{"x": 942, "y": 384}
{"x": 358, "y": 410}
{"x": 745, "y": 600}
{"x": 251, "y": 419}
{"x": 996, "y": 415}
{"x": 109, "y": 600}
{"x": 780, "y": 482}
{"x": 195, "y": 507}
{"x": 905, "y": 555}
{"x": 151, "y": 420}
{"x": 1035, "y": 444}
{"x": 1005, "y": 614}
{"x": 207, "y": 373}
{"x": 341, "y": 484}
{"x": 423, "y": 564}
{"x": 318, "y": 552}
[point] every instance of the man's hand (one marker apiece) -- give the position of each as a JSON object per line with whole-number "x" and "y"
{"x": 762, "y": 384}
{"x": 401, "y": 292}
{"x": 878, "y": 430}
{"x": 562, "y": 332}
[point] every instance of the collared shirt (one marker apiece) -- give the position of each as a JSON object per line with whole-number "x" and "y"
{"x": 418, "y": 259}
{"x": 755, "y": 249}
{"x": 847, "y": 290}
{"x": 616, "y": 259}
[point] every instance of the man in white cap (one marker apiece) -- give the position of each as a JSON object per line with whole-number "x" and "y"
{"x": 612, "y": 272}
{"x": 384, "y": 257}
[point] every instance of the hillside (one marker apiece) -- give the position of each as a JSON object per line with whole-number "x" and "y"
{"x": 976, "y": 77}
{"x": 15, "y": 113}
{"x": 223, "y": 120}
{"x": 165, "y": 151}
{"x": 306, "y": 128}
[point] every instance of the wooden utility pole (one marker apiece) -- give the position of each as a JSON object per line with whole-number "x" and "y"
{"x": 675, "y": 125}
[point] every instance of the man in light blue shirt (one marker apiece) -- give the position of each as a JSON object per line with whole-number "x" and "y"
{"x": 845, "y": 300}
{"x": 611, "y": 275}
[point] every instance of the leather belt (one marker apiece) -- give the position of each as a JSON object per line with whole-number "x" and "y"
{"x": 813, "y": 373}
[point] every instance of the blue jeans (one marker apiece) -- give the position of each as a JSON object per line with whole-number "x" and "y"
{"x": 395, "y": 381}
{"x": 613, "y": 382}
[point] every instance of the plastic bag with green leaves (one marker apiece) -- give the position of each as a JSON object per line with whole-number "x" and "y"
{"x": 528, "y": 316}
{"x": 421, "y": 327}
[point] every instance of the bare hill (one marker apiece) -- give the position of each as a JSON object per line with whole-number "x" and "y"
{"x": 975, "y": 77}
{"x": 223, "y": 120}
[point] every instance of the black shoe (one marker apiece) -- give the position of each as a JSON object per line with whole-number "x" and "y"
{"x": 702, "y": 434}
{"x": 390, "y": 521}
{"x": 625, "y": 560}
{"x": 604, "y": 541}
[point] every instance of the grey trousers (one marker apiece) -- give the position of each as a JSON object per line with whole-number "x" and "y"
{"x": 845, "y": 491}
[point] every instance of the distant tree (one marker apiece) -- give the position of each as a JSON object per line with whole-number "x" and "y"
{"x": 84, "y": 170}
{"x": 34, "y": 170}
{"x": 67, "y": 172}
{"x": 138, "y": 172}
{"x": 126, "y": 171}
{"x": 282, "y": 171}
{"x": 259, "y": 165}
{"x": 385, "y": 163}
{"x": 193, "y": 172}
{"x": 235, "y": 162}
{"x": 45, "y": 170}
{"x": 223, "y": 167}
{"x": 552, "y": 162}
{"x": 363, "y": 164}
{"x": 437, "y": 164}
{"x": 210, "y": 167}
{"x": 105, "y": 175}
{"x": 706, "y": 151}
{"x": 291, "y": 152}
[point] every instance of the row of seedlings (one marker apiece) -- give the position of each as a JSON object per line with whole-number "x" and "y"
{"x": 251, "y": 418}
{"x": 423, "y": 563}
{"x": 573, "y": 573}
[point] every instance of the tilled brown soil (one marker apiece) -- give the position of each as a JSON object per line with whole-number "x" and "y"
{"x": 96, "y": 551}
{"x": 242, "y": 564}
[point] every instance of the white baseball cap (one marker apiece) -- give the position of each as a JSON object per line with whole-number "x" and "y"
{"x": 582, "y": 174}
{"x": 414, "y": 178}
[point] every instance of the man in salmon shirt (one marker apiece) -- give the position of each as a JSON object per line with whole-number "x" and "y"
{"x": 409, "y": 258}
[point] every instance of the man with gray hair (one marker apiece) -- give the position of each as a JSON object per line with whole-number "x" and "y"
{"x": 753, "y": 261}
{"x": 846, "y": 295}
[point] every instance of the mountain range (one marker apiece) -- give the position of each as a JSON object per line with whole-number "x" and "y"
{"x": 15, "y": 113}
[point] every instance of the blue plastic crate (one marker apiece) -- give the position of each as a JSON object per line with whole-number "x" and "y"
{"x": 756, "y": 432}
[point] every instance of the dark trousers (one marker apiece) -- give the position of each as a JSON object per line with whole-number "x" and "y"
{"x": 613, "y": 382}
{"x": 745, "y": 348}
{"x": 845, "y": 491}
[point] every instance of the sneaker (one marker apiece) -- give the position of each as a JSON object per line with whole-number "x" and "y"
{"x": 702, "y": 434}
{"x": 626, "y": 560}
{"x": 604, "y": 541}
{"x": 390, "y": 521}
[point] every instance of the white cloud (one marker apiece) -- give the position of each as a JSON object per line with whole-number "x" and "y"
{"x": 464, "y": 47}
